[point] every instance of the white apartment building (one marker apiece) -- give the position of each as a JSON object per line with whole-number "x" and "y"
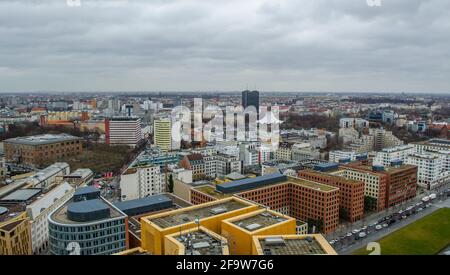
{"x": 221, "y": 165}
{"x": 430, "y": 169}
{"x": 337, "y": 155}
{"x": 283, "y": 152}
{"x": 357, "y": 123}
{"x": 143, "y": 181}
{"x": 384, "y": 139}
{"x": 363, "y": 144}
{"x": 303, "y": 151}
{"x": 123, "y": 131}
{"x": 371, "y": 181}
{"x": 250, "y": 157}
{"x": 432, "y": 145}
{"x": 387, "y": 155}
{"x": 248, "y": 153}
{"x": 39, "y": 210}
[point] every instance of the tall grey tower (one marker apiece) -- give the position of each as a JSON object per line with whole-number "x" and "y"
{"x": 250, "y": 98}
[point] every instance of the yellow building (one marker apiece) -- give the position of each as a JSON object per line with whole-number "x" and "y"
{"x": 313, "y": 244}
{"x": 15, "y": 236}
{"x": 162, "y": 134}
{"x": 209, "y": 215}
{"x": 239, "y": 231}
{"x": 195, "y": 241}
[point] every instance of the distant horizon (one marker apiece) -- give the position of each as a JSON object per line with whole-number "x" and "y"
{"x": 65, "y": 92}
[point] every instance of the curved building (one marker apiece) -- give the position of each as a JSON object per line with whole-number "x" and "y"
{"x": 87, "y": 224}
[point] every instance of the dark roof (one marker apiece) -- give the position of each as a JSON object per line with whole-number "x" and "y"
{"x": 144, "y": 205}
{"x": 89, "y": 210}
{"x": 250, "y": 183}
{"x": 326, "y": 166}
{"x": 85, "y": 190}
{"x": 195, "y": 157}
{"x": 42, "y": 139}
{"x": 22, "y": 194}
{"x": 86, "y": 193}
{"x": 10, "y": 226}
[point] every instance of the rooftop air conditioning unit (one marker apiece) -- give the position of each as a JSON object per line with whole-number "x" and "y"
{"x": 219, "y": 210}
{"x": 269, "y": 241}
{"x": 253, "y": 226}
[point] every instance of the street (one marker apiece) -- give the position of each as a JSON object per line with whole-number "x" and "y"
{"x": 346, "y": 242}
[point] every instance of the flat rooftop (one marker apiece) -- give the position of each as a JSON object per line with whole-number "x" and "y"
{"x": 80, "y": 173}
{"x": 332, "y": 176}
{"x": 312, "y": 184}
{"x": 388, "y": 169}
{"x": 10, "y": 212}
{"x": 286, "y": 246}
{"x": 42, "y": 139}
{"x": 200, "y": 243}
{"x": 190, "y": 215}
{"x": 61, "y": 214}
{"x": 259, "y": 221}
{"x": 211, "y": 191}
{"x": 22, "y": 195}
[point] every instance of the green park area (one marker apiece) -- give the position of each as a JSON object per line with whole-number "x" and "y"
{"x": 427, "y": 236}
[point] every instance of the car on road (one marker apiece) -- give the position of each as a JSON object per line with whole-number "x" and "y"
{"x": 349, "y": 234}
{"x": 362, "y": 235}
{"x": 419, "y": 209}
{"x": 404, "y": 217}
{"x": 332, "y": 242}
{"x": 356, "y": 231}
{"x": 385, "y": 225}
{"x": 378, "y": 227}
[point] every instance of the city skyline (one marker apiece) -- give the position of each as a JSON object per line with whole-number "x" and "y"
{"x": 329, "y": 46}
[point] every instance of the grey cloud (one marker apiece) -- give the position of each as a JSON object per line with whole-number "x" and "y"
{"x": 293, "y": 45}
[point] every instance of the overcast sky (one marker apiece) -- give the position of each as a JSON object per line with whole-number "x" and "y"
{"x": 226, "y": 45}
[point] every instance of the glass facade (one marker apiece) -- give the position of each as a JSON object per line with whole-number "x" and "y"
{"x": 102, "y": 238}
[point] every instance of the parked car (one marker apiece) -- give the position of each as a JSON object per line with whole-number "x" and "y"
{"x": 420, "y": 209}
{"x": 385, "y": 225}
{"x": 404, "y": 217}
{"x": 378, "y": 227}
{"x": 362, "y": 235}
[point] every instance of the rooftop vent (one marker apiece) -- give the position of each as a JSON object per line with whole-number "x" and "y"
{"x": 309, "y": 239}
{"x": 200, "y": 245}
{"x": 274, "y": 241}
{"x": 253, "y": 226}
{"x": 219, "y": 210}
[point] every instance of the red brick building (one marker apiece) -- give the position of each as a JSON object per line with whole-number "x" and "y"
{"x": 401, "y": 184}
{"x": 351, "y": 193}
{"x": 315, "y": 203}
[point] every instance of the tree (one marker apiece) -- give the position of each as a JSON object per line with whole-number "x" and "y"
{"x": 318, "y": 224}
{"x": 343, "y": 214}
{"x": 170, "y": 185}
{"x": 370, "y": 204}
